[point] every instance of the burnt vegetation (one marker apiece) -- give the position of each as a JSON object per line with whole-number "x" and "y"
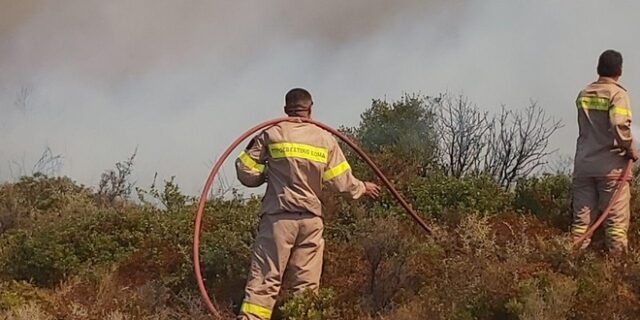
{"x": 499, "y": 250}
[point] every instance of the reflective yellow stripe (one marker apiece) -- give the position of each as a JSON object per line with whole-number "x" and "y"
{"x": 620, "y": 111}
{"x": 593, "y": 103}
{"x": 616, "y": 232}
{"x": 250, "y": 163}
{"x": 298, "y": 150}
{"x": 336, "y": 171}
{"x": 578, "y": 229}
{"x": 255, "y": 309}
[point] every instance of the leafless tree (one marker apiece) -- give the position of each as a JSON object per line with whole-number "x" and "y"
{"x": 560, "y": 164}
{"x": 462, "y": 131}
{"x": 49, "y": 164}
{"x": 17, "y": 168}
{"x": 22, "y": 99}
{"x": 507, "y": 146}
{"x": 115, "y": 184}
{"x": 518, "y": 143}
{"x": 223, "y": 186}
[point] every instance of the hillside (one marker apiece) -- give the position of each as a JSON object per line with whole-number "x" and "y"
{"x": 500, "y": 248}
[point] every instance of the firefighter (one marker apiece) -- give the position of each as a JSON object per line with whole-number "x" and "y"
{"x": 603, "y": 148}
{"x": 295, "y": 159}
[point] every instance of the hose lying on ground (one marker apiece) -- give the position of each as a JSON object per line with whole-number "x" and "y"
{"x": 216, "y": 168}
{"x": 616, "y": 194}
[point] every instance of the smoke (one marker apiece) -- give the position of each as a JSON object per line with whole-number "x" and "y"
{"x": 180, "y": 80}
{"x": 112, "y": 41}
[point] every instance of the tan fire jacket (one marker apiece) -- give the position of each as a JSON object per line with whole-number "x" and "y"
{"x": 604, "y": 121}
{"x": 296, "y": 159}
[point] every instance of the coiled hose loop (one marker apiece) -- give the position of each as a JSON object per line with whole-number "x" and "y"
{"x": 216, "y": 168}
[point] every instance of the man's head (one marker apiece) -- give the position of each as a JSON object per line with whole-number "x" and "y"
{"x": 298, "y": 103}
{"x": 610, "y": 64}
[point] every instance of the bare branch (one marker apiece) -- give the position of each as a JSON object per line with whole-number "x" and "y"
{"x": 518, "y": 143}
{"x": 115, "y": 184}
{"x": 48, "y": 164}
{"x": 21, "y": 101}
{"x": 462, "y": 127}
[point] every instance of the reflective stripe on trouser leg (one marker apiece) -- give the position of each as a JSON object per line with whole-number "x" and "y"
{"x": 585, "y": 207}
{"x": 616, "y": 239}
{"x": 276, "y": 236}
{"x": 253, "y": 311}
{"x": 616, "y": 233}
{"x": 578, "y": 230}
{"x": 617, "y": 222}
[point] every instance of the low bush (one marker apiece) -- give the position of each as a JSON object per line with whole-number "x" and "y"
{"x": 310, "y": 305}
{"x": 36, "y": 197}
{"x": 436, "y": 194}
{"x": 548, "y": 197}
{"x": 483, "y": 260}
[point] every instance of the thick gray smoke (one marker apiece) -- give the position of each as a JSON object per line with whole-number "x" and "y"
{"x": 180, "y": 79}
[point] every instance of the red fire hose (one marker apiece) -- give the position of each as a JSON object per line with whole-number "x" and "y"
{"x": 214, "y": 171}
{"x": 616, "y": 194}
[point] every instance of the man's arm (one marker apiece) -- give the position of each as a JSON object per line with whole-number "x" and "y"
{"x": 338, "y": 176}
{"x": 251, "y": 163}
{"x": 620, "y": 115}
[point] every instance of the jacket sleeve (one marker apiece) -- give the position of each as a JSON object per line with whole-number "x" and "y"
{"x": 251, "y": 167}
{"x": 338, "y": 175}
{"x": 620, "y": 115}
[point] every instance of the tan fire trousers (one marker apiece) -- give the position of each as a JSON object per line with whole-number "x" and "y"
{"x": 590, "y": 197}
{"x": 285, "y": 241}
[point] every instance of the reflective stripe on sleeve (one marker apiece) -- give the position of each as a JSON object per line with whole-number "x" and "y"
{"x": 250, "y": 163}
{"x": 620, "y": 111}
{"x": 256, "y": 310}
{"x": 593, "y": 103}
{"x": 336, "y": 171}
{"x": 298, "y": 150}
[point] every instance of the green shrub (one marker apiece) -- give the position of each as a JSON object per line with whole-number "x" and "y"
{"x": 548, "y": 197}
{"x": 437, "y": 193}
{"x": 490, "y": 263}
{"x": 39, "y": 196}
{"x": 548, "y": 296}
{"x": 311, "y": 306}
{"x": 54, "y": 250}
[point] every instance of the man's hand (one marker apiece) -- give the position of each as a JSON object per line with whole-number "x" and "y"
{"x": 634, "y": 154}
{"x": 371, "y": 190}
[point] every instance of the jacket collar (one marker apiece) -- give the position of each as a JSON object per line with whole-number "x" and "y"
{"x": 606, "y": 80}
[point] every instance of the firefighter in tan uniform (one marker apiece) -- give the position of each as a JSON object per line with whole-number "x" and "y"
{"x": 295, "y": 159}
{"x": 603, "y": 148}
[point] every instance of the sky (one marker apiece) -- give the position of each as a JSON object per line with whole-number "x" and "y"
{"x": 179, "y": 80}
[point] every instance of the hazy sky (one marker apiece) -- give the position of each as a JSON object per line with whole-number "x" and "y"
{"x": 181, "y": 79}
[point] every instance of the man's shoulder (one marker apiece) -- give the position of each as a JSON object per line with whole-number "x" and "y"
{"x": 314, "y": 130}
{"x": 602, "y": 89}
{"x": 621, "y": 88}
{"x": 592, "y": 86}
{"x": 308, "y": 133}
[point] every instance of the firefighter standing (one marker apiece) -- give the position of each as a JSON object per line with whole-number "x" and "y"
{"x": 603, "y": 148}
{"x": 295, "y": 159}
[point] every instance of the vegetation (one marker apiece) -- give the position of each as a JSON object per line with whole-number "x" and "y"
{"x": 499, "y": 251}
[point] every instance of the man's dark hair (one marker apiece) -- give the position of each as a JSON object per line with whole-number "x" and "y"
{"x": 610, "y": 64}
{"x": 298, "y": 97}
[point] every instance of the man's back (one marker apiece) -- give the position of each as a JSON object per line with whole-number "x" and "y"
{"x": 603, "y": 113}
{"x": 296, "y": 159}
{"x": 603, "y": 148}
{"x": 299, "y": 159}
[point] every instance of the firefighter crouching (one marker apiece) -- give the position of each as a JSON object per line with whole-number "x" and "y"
{"x": 295, "y": 159}
{"x": 603, "y": 148}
